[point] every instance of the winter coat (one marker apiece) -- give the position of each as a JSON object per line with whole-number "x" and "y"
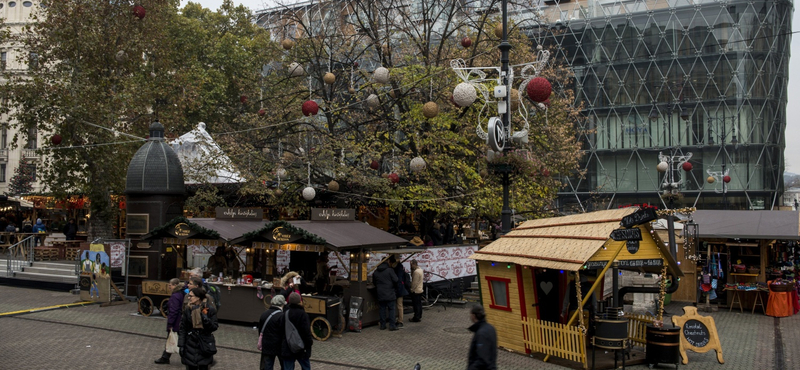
{"x": 272, "y": 341}
{"x": 189, "y": 337}
{"x": 417, "y": 277}
{"x": 483, "y": 348}
{"x": 70, "y": 230}
{"x": 175, "y": 306}
{"x": 385, "y": 280}
{"x": 402, "y": 289}
{"x": 39, "y": 227}
{"x": 297, "y": 315}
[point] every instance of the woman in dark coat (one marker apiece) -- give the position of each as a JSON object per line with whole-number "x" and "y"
{"x": 198, "y": 321}
{"x": 271, "y": 326}
{"x": 297, "y": 315}
{"x": 174, "y": 304}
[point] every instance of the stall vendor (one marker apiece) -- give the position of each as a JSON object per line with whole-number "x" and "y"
{"x": 290, "y": 283}
{"x": 217, "y": 263}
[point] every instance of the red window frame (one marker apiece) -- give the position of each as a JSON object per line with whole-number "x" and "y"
{"x": 489, "y": 280}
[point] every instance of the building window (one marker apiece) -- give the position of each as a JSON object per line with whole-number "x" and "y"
{"x": 32, "y": 138}
{"x": 4, "y": 137}
{"x": 498, "y": 290}
{"x": 32, "y": 169}
{"x": 3, "y": 172}
{"x": 33, "y": 60}
{"x": 3, "y": 60}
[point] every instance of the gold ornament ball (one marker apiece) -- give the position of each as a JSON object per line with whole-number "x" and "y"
{"x": 498, "y": 30}
{"x": 514, "y": 99}
{"x": 333, "y": 185}
{"x": 430, "y": 109}
{"x": 329, "y": 78}
{"x": 351, "y": 90}
{"x": 278, "y": 192}
{"x": 711, "y": 179}
{"x": 287, "y": 44}
{"x": 484, "y": 173}
{"x": 392, "y": 94}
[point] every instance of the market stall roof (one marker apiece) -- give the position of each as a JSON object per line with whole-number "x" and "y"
{"x": 223, "y": 230}
{"x": 748, "y": 224}
{"x": 569, "y": 242}
{"x": 336, "y": 235}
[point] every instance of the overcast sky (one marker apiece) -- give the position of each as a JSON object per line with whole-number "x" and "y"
{"x": 792, "y": 152}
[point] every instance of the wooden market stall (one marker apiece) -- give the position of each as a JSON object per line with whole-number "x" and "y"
{"x": 525, "y": 278}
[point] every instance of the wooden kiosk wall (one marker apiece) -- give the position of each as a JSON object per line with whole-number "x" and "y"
{"x": 508, "y": 323}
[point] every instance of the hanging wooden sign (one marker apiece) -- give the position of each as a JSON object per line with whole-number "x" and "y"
{"x": 698, "y": 334}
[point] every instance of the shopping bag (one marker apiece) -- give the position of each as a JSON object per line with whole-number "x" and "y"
{"x": 172, "y": 342}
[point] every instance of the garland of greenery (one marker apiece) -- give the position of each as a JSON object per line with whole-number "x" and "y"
{"x": 211, "y": 234}
{"x": 289, "y": 227}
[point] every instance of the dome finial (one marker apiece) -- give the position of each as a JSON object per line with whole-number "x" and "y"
{"x": 156, "y": 131}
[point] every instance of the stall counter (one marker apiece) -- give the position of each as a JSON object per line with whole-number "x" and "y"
{"x": 240, "y": 302}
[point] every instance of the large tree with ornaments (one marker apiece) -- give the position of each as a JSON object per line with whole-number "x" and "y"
{"x": 107, "y": 69}
{"x": 370, "y": 113}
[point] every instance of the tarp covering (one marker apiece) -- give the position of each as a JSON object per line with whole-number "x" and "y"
{"x": 748, "y": 224}
{"x": 203, "y": 160}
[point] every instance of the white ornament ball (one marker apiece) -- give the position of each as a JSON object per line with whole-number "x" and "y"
{"x": 296, "y": 70}
{"x": 417, "y": 164}
{"x": 464, "y": 94}
{"x": 381, "y": 75}
{"x": 490, "y": 155}
{"x": 373, "y": 101}
{"x": 662, "y": 167}
{"x": 309, "y": 193}
{"x": 280, "y": 172}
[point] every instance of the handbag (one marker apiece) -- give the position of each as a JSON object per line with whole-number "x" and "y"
{"x": 208, "y": 345}
{"x": 172, "y": 342}
{"x": 261, "y": 334}
{"x": 296, "y": 344}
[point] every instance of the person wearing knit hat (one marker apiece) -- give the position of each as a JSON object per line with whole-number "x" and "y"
{"x": 271, "y": 325}
{"x": 296, "y": 314}
{"x": 39, "y": 228}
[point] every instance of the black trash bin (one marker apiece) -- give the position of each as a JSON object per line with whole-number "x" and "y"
{"x": 663, "y": 345}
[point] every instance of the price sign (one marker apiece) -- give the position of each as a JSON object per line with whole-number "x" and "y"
{"x": 698, "y": 334}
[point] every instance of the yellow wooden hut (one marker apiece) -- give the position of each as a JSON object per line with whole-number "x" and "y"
{"x": 525, "y": 277}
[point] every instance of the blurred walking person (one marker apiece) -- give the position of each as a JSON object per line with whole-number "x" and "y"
{"x": 297, "y": 315}
{"x": 175, "y": 305}
{"x": 483, "y": 348}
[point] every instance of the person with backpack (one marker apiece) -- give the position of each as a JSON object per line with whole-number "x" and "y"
{"x": 271, "y": 334}
{"x": 297, "y": 316}
{"x": 403, "y": 283}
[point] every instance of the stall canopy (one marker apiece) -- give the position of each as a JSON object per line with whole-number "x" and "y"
{"x": 203, "y": 231}
{"x": 336, "y": 235}
{"x": 569, "y": 242}
{"x": 748, "y": 224}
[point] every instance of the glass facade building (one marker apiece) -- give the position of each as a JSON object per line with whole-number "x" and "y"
{"x": 674, "y": 77}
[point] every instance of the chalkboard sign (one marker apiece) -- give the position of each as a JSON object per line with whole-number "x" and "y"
{"x": 633, "y": 246}
{"x": 639, "y": 217}
{"x": 653, "y": 262}
{"x": 698, "y": 334}
{"x": 626, "y": 234}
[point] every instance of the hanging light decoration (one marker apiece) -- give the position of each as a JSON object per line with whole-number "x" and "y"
{"x": 514, "y": 99}
{"x": 374, "y": 165}
{"x": 417, "y": 164}
{"x": 262, "y": 112}
{"x": 121, "y": 56}
{"x": 498, "y": 30}
{"x": 373, "y": 101}
{"x": 56, "y": 139}
{"x": 309, "y": 193}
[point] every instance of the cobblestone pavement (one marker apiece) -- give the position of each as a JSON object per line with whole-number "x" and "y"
{"x": 94, "y": 337}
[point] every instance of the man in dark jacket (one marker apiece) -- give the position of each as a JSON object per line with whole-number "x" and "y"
{"x": 385, "y": 280}
{"x": 402, "y": 288}
{"x": 272, "y": 333}
{"x": 297, "y": 315}
{"x": 483, "y": 348}
{"x": 70, "y": 230}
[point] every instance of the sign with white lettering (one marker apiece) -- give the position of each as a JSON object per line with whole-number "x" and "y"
{"x": 626, "y": 234}
{"x": 654, "y": 262}
{"x": 639, "y": 217}
{"x": 632, "y": 245}
{"x": 698, "y": 334}
{"x": 240, "y": 213}
{"x": 333, "y": 214}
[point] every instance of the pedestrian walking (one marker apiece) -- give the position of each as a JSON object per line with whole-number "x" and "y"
{"x": 272, "y": 333}
{"x": 385, "y": 280}
{"x": 483, "y": 348}
{"x": 175, "y": 306}
{"x": 70, "y": 230}
{"x": 403, "y": 284}
{"x": 297, "y": 315}
{"x": 198, "y": 323}
{"x": 417, "y": 276}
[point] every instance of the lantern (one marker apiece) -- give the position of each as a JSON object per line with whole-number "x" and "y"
{"x": 287, "y": 44}
{"x": 464, "y": 94}
{"x": 381, "y": 75}
{"x": 417, "y": 164}
{"x": 310, "y": 108}
{"x": 466, "y": 42}
{"x": 662, "y": 167}
{"x": 686, "y": 166}
{"x": 539, "y": 89}
{"x": 139, "y": 11}
{"x": 333, "y": 185}
{"x": 711, "y": 179}
{"x": 309, "y": 193}
{"x": 430, "y": 110}
{"x": 394, "y": 178}
{"x": 726, "y": 179}
{"x": 56, "y": 139}
{"x": 329, "y": 78}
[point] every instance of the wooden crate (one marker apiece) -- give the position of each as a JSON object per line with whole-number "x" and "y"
{"x": 71, "y": 253}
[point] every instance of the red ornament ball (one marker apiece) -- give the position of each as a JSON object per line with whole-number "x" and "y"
{"x": 546, "y": 103}
{"x": 310, "y": 108}
{"x": 56, "y": 139}
{"x": 355, "y": 64}
{"x": 546, "y": 172}
{"x": 262, "y": 112}
{"x": 374, "y": 165}
{"x": 466, "y": 42}
{"x": 394, "y": 178}
{"x": 726, "y": 179}
{"x": 139, "y": 11}
{"x": 687, "y": 166}
{"x": 243, "y": 99}
{"x": 539, "y": 89}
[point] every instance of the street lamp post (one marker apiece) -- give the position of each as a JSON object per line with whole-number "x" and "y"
{"x": 722, "y": 136}
{"x": 671, "y": 164}
{"x": 505, "y": 47}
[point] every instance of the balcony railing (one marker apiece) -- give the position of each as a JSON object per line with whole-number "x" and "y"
{"x": 29, "y": 154}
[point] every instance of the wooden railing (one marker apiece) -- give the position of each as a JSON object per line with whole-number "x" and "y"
{"x": 637, "y": 328}
{"x": 555, "y": 339}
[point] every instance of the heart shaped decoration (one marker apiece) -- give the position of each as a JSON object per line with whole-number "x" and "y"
{"x": 546, "y": 287}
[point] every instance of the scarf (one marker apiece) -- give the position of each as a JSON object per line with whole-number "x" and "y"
{"x": 197, "y": 318}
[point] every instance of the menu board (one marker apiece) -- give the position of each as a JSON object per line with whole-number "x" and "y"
{"x": 698, "y": 334}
